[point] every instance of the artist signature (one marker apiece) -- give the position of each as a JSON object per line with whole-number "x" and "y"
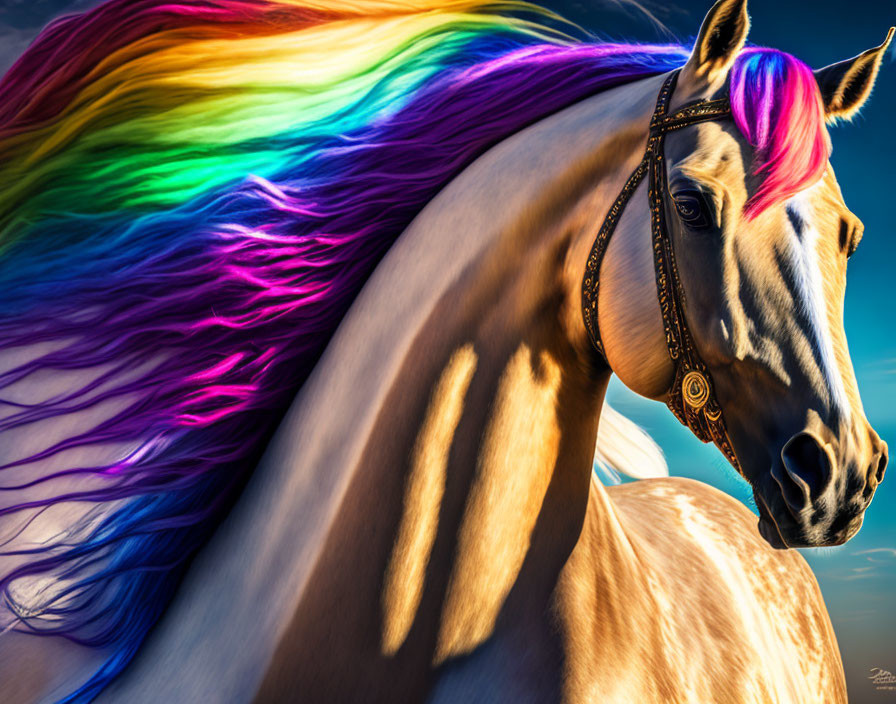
{"x": 882, "y": 679}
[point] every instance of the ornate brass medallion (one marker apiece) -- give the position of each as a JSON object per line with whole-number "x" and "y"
{"x": 695, "y": 389}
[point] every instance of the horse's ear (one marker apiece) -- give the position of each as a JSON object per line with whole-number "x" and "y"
{"x": 721, "y": 38}
{"x": 846, "y": 86}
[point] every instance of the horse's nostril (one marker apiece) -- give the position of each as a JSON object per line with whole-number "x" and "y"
{"x": 881, "y": 466}
{"x": 807, "y": 464}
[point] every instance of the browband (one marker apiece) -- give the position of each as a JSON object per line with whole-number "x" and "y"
{"x": 692, "y": 397}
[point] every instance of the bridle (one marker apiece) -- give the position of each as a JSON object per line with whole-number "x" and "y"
{"x": 691, "y": 398}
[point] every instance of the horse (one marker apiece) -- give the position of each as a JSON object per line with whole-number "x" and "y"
{"x": 209, "y": 507}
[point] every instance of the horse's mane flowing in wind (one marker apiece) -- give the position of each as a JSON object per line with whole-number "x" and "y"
{"x": 193, "y": 194}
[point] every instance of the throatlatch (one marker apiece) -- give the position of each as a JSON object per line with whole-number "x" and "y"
{"x": 691, "y": 398}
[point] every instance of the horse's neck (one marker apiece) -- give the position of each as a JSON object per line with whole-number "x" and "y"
{"x": 434, "y": 472}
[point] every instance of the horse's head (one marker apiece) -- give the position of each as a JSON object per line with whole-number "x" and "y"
{"x": 762, "y": 237}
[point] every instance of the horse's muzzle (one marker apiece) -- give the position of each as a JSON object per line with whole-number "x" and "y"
{"x": 806, "y": 500}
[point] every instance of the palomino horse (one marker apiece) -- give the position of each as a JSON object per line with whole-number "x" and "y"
{"x": 425, "y": 524}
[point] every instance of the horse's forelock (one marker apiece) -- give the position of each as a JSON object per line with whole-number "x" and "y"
{"x": 777, "y": 105}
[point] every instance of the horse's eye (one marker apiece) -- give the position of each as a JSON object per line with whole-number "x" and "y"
{"x": 692, "y": 209}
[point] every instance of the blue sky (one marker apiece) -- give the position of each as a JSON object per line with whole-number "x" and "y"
{"x": 859, "y": 579}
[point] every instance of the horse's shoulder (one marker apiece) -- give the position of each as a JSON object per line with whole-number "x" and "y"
{"x": 665, "y": 488}
{"x": 717, "y": 609}
{"x": 705, "y": 545}
{"x": 681, "y": 515}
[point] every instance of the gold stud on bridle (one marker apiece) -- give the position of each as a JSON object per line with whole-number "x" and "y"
{"x": 695, "y": 390}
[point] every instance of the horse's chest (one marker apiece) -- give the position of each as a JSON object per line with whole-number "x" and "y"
{"x": 700, "y": 610}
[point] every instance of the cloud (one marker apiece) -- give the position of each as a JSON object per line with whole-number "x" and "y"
{"x": 857, "y": 573}
{"x": 879, "y": 554}
{"x": 871, "y": 564}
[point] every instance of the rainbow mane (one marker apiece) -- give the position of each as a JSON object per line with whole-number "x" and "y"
{"x": 193, "y": 194}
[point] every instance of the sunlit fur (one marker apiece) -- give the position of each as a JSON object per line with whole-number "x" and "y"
{"x": 194, "y": 193}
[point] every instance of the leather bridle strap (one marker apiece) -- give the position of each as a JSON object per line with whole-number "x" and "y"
{"x": 691, "y": 398}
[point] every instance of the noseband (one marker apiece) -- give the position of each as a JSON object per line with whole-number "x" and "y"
{"x": 691, "y": 398}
